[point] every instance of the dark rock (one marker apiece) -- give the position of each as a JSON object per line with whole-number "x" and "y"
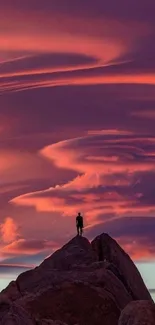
{"x": 13, "y": 291}
{"x": 138, "y": 313}
{"x": 13, "y": 314}
{"x": 77, "y": 252}
{"x": 81, "y": 283}
{"x": 50, "y": 322}
{"x": 76, "y": 303}
{"x": 121, "y": 265}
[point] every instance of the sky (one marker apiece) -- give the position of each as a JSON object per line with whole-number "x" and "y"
{"x": 77, "y": 116}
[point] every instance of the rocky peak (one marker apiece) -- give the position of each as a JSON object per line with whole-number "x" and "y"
{"x": 81, "y": 283}
{"x": 77, "y": 251}
{"x": 121, "y": 264}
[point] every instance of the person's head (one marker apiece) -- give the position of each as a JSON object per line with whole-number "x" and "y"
{"x": 79, "y": 213}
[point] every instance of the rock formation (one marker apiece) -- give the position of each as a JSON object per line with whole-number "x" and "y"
{"x": 122, "y": 265}
{"x": 81, "y": 283}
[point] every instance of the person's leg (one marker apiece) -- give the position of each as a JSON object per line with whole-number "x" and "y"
{"x": 81, "y": 230}
{"x": 77, "y": 230}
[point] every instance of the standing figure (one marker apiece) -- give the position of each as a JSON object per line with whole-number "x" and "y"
{"x": 79, "y": 224}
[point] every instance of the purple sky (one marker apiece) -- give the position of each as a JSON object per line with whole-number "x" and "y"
{"x": 77, "y": 116}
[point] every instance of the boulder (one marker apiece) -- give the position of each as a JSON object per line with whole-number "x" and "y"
{"x": 75, "y": 303}
{"x": 13, "y": 314}
{"x": 138, "y": 313}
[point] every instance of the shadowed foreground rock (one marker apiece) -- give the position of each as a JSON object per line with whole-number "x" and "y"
{"x": 50, "y": 322}
{"x": 81, "y": 283}
{"x": 138, "y": 313}
{"x": 12, "y": 314}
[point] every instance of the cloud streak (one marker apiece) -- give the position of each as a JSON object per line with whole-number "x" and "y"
{"x": 113, "y": 169}
{"x": 23, "y": 246}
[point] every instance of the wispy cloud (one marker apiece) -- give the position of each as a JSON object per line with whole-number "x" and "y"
{"x": 23, "y": 246}
{"x": 9, "y": 230}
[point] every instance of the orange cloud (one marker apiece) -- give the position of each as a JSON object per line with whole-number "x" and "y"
{"x": 106, "y": 40}
{"x": 82, "y": 161}
{"x": 45, "y": 80}
{"x": 97, "y": 164}
{"x": 106, "y": 37}
{"x": 107, "y": 185}
{"x": 29, "y": 246}
{"x": 17, "y": 166}
{"x": 70, "y": 36}
{"x": 138, "y": 250}
{"x": 9, "y": 230}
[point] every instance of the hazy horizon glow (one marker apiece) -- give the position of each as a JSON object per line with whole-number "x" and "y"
{"x": 77, "y": 114}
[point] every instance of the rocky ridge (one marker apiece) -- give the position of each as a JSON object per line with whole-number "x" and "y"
{"x": 81, "y": 283}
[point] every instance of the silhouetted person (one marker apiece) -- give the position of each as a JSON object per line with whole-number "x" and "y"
{"x": 79, "y": 224}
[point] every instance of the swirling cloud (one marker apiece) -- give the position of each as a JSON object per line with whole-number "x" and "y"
{"x": 110, "y": 167}
{"x": 85, "y": 46}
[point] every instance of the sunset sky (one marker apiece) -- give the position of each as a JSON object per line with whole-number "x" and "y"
{"x": 77, "y": 128}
